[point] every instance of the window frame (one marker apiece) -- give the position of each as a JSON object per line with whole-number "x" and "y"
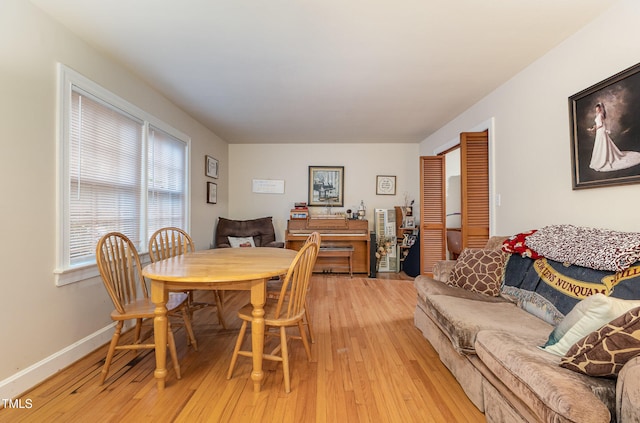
{"x": 65, "y": 273}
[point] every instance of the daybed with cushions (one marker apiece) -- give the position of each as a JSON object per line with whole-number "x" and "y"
{"x": 246, "y": 233}
{"x": 532, "y": 336}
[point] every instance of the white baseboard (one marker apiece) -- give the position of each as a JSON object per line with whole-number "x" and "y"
{"x": 27, "y": 378}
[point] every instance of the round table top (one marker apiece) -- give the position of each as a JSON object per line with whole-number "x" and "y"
{"x": 222, "y": 265}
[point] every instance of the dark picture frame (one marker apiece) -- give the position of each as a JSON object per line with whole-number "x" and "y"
{"x": 211, "y": 167}
{"x": 212, "y": 193}
{"x": 326, "y": 186}
{"x": 609, "y": 154}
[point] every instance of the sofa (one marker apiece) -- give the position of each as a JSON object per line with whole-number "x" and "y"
{"x": 252, "y": 233}
{"x": 492, "y": 344}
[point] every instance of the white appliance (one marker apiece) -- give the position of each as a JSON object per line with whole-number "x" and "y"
{"x": 385, "y": 226}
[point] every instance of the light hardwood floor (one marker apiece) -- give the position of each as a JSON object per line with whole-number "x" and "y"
{"x": 370, "y": 364}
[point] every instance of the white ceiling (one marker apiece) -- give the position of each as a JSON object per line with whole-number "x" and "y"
{"x": 281, "y": 71}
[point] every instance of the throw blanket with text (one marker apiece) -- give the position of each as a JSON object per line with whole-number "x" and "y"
{"x": 550, "y": 289}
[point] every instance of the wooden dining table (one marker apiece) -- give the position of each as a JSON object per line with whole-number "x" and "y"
{"x": 217, "y": 269}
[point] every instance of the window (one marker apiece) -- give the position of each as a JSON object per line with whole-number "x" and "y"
{"x": 120, "y": 170}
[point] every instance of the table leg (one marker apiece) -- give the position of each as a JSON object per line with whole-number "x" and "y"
{"x": 258, "y": 298}
{"x": 159, "y": 297}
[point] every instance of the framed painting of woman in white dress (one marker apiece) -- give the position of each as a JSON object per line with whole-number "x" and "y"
{"x": 605, "y": 131}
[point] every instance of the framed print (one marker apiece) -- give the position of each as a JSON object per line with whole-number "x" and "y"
{"x": 409, "y": 222}
{"x": 211, "y": 167}
{"x": 212, "y": 192}
{"x": 605, "y": 132}
{"x": 385, "y": 185}
{"x": 326, "y": 186}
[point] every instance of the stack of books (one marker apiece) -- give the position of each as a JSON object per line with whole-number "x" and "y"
{"x": 300, "y": 211}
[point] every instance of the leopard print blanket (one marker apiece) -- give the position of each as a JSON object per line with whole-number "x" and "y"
{"x": 599, "y": 249}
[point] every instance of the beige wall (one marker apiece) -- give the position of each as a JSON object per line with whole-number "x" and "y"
{"x": 290, "y": 162}
{"x": 38, "y": 318}
{"x": 532, "y": 166}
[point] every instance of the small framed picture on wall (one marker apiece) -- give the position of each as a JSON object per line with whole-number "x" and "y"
{"x": 385, "y": 185}
{"x": 212, "y": 192}
{"x": 211, "y": 167}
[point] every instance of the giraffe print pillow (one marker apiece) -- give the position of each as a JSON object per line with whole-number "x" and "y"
{"x": 479, "y": 270}
{"x": 605, "y": 351}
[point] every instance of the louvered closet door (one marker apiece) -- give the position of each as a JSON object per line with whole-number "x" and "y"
{"x": 432, "y": 212}
{"x": 474, "y": 157}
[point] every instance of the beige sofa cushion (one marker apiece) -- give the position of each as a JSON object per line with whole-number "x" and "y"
{"x": 554, "y": 394}
{"x": 461, "y": 314}
{"x": 426, "y": 286}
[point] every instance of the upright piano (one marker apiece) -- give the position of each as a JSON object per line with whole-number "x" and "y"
{"x": 337, "y": 233}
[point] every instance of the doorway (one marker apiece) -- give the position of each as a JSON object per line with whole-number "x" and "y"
{"x": 474, "y": 199}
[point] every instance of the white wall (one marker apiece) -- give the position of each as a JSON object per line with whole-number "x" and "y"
{"x": 454, "y": 189}
{"x": 40, "y": 320}
{"x": 532, "y": 167}
{"x": 290, "y": 162}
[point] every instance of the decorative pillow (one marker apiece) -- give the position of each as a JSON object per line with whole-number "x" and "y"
{"x": 479, "y": 270}
{"x": 589, "y": 315}
{"x": 241, "y": 241}
{"x": 605, "y": 351}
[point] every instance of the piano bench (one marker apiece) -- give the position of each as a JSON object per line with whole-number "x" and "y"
{"x": 346, "y": 252}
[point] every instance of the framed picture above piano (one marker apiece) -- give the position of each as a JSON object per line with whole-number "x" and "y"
{"x": 326, "y": 186}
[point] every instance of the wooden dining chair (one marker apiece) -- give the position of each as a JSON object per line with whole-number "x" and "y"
{"x": 119, "y": 266}
{"x": 275, "y": 286}
{"x": 287, "y": 311}
{"x": 170, "y": 242}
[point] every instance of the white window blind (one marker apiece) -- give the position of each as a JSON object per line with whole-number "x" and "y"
{"x": 120, "y": 169}
{"x": 166, "y": 199}
{"x": 105, "y": 175}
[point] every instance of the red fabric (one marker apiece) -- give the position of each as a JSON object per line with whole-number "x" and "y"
{"x": 516, "y": 245}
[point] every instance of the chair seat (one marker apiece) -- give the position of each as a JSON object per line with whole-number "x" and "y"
{"x": 269, "y": 315}
{"x": 144, "y": 308}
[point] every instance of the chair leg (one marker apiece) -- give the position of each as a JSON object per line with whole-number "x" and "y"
{"x": 112, "y": 349}
{"x": 189, "y": 302}
{"x": 138, "y": 331}
{"x": 303, "y": 336}
{"x": 219, "y": 308}
{"x": 187, "y": 324}
{"x": 172, "y": 351}
{"x": 307, "y": 318}
{"x": 234, "y": 357}
{"x": 285, "y": 359}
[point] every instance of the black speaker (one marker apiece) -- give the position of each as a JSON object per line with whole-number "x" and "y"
{"x": 372, "y": 255}
{"x": 412, "y": 262}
